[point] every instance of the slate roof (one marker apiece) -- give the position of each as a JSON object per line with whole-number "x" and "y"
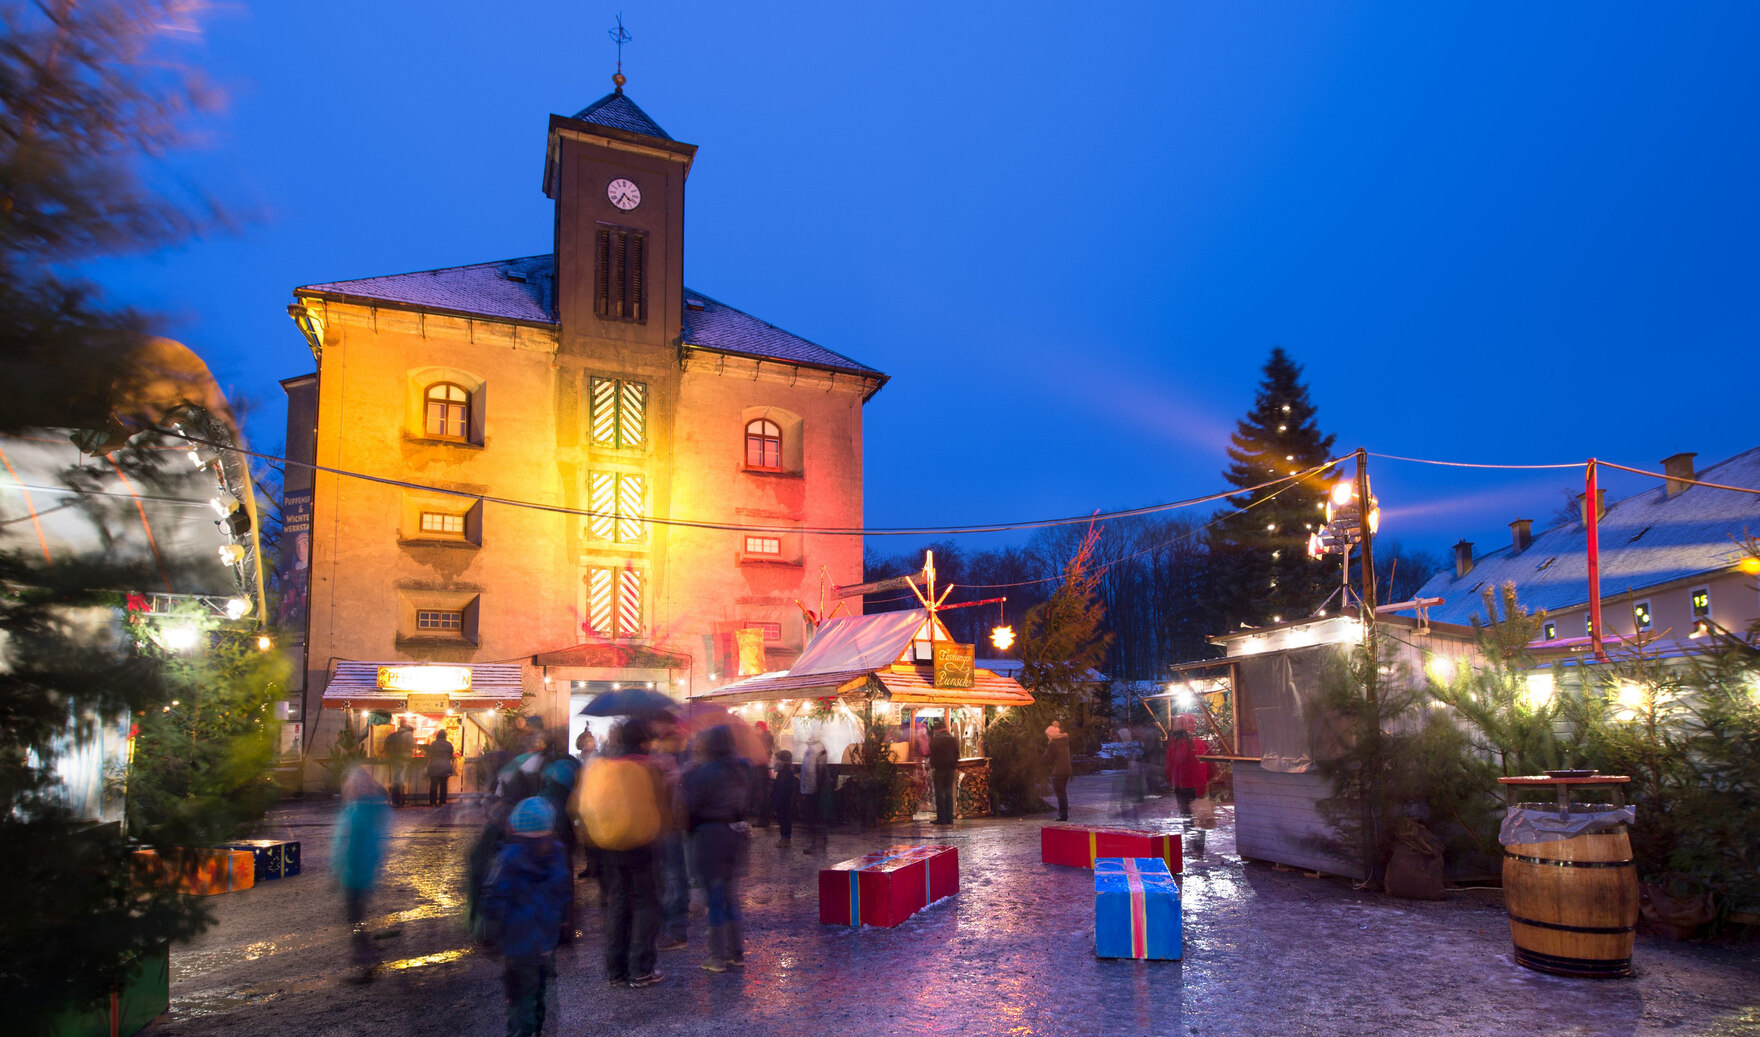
{"x": 620, "y": 113}
{"x": 1647, "y": 539}
{"x": 524, "y": 290}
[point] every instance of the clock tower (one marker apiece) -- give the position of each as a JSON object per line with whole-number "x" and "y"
{"x": 618, "y": 183}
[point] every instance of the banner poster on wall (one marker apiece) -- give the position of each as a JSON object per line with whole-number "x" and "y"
{"x": 294, "y": 568}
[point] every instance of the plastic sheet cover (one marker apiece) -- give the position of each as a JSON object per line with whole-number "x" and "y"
{"x": 1539, "y": 823}
{"x": 1284, "y": 691}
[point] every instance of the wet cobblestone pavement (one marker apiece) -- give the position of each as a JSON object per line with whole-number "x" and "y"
{"x": 1266, "y": 952}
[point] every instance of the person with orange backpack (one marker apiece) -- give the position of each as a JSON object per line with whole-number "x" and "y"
{"x": 624, "y": 805}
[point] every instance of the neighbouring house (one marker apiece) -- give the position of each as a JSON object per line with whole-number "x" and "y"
{"x": 571, "y": 464}
{"x": 1673, "y": 560}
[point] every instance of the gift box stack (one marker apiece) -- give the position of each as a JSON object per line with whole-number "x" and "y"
{"x": 273, "y": 858}
{"x": 198, "y": 871}
{"x": 1136, "y": 909}
{"x": 1075, "y": 847}
{"x": 887, "y": 887}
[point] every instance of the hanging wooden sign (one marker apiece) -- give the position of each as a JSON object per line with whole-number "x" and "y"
{"x": 954, "y": 665}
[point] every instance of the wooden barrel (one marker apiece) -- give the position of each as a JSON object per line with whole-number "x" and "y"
{"x": 1573, "y": 904}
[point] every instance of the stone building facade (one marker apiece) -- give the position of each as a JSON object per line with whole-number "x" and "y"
{"x": 572, "y": 461}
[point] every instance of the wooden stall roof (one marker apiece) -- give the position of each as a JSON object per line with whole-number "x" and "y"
{"x": 493, "y": 686}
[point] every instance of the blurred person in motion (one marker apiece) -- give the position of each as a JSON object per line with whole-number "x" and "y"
{"x": 815, "y": 792}
{"x": 783, "y": 790}
{"x": 761, "y": 799}
{"x": 585, "y": 744}
{"x": 525, "y": 898}
{"x": 671, "y": 754}
{"x": 623, "y": 803}
{"x": 1130, "y": 786}
{"x": 1057, "y": 761}
{"x": 943, "y": 767}
{"x": 560, "y": 776}
{"x": 400, "y": 751}
{"x": 717, "y": 788}
{"x": 357, "y": 856}
{"x": 439, "y": 757}
{"x": 1188, "y": 774}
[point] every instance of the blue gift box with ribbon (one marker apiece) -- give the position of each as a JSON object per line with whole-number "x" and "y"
{"x": 275, "y": 858}
{"x": 1136, "y": 909}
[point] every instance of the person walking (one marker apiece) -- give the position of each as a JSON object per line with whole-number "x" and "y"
{"x": 623, "y": 804}
{"x": 716, "y": 791}
{"x": 1057, "y": 762}
{"x": 525, "y": 900}
{"x": 400, "y": 750}
{"x": 439, "y": 757}
{"x": 672, "y": 754}
{"x": 816, "y": 789}
{"x": 761, "y": 798}
{"x": 943, "y": 766}
{"x": 357, "y": 855}
{"x": 783, "y": 790}
{"x": 1189, "y": 775}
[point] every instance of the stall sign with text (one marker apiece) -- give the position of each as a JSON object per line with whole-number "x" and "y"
{"x": 428, "y": 703}
{"x": 954, "y": 667}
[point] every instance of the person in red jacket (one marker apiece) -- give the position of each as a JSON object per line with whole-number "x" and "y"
{"x": 1189, "y": 776}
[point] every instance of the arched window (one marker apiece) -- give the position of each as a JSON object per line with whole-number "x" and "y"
{"x": 763, "y": 445}
{"x": 448, "y": 412}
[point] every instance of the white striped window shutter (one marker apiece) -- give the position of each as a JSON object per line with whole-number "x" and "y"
{"x": 617, "y": 412}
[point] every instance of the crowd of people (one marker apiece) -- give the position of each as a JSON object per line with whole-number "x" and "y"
{"x": 653, "y": 810}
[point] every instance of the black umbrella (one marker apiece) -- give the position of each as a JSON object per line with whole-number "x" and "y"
{"x": 634, "y": 702}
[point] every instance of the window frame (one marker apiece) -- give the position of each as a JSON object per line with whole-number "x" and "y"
{"x": 617, "y": 252}
{"x": 1549, "y": 631}
{"x": 1642, "y": 617}
{"x": 775, "y": 543}
{"x": 768, "y": 438}
{"x": 621, "y": 524}
{"x": 465, "y": 407}
{"x": 1693, "y": 596}
{"x": 625, "y": 427}
{"x": 624, "y": 580}
{"x": 440, "y": 629}
{"x": 445, "y": 517}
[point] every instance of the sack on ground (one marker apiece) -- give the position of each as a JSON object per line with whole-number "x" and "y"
{"x": 1415, "y": 870}
{"x": 617, "y": 803}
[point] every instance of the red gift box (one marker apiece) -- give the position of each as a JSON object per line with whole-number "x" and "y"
{"x": 1075, "y": 847}
{"x": 887, "y": 887}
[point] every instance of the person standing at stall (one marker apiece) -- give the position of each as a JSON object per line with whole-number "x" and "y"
{"x": 439, "y": 759}
{"x": 1057, "y": 761}
{"x": 623, "y": 802}
{"x": 1188, "y": 774}
{"x": 943, "y": 764}
{"x": 782, "y": 795}
{"x": 816, "y": 788}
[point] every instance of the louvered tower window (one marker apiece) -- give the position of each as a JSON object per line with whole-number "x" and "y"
{"x": 617, "y": 412}
{"x": 622, "y": 275}
{"x": 614, "y": 602}
{"x": 616, "y": 500}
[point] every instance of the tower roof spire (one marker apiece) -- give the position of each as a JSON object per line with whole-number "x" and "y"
{"x": 620, "y": 36}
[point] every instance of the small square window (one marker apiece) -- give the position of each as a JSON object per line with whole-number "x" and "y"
{"x": 772, "y": 631}
{"x": 440, "y": 523}
{"x": 447, "y": 621}
{"x": 1589, "y": 626}
{"x": 763, "y": 546}
{"x": 1641, "y": 615}
{"x": 1702, "y": 603}
{"x": 1549, "y": 631}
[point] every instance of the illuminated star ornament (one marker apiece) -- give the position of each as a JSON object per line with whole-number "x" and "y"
{"x": 1002, "y": 637}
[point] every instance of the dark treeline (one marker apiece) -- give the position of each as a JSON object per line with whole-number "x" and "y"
{"x": 1156, "y": 582}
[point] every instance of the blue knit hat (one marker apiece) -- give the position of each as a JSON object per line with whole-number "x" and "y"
{"x": 533, "y": 816}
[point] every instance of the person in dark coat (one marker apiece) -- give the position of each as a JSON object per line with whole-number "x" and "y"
{"x": 943, "y": 765}
{"x": 1057, "y": 761}
{"x": 783, "y": 791}
{"x": 439, "y": 758}
{"x": 716, "y": 791}
{"x": 524, "y": 900}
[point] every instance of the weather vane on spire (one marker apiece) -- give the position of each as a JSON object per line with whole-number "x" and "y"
{"x": 619, "y": 36}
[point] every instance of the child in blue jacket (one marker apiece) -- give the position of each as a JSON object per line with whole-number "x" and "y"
{"x": 524, "y": 899}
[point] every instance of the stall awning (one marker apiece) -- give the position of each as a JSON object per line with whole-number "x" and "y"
{"x": 915, "y": 685}
{"x": 614, "y": 657}
{"x": 768, "y": 687}
{"x": 491, "y": 686}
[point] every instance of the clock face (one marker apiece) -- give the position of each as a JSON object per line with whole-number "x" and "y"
{"x": 623, "y": 193}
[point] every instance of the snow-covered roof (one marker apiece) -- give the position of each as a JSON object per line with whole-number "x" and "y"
{"x": 1647, "y": 540}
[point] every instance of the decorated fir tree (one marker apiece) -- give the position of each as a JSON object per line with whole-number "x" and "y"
{"x": 1262, "y": 570}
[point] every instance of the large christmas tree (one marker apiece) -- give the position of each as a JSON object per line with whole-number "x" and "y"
{"x": 1262, "y": 570}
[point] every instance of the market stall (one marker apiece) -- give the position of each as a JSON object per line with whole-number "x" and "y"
{"x": 900, "y": 672}
{"x": 464, "y": 702}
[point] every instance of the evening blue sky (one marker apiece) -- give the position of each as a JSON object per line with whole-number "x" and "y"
{"x": 1071, "y": 234}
